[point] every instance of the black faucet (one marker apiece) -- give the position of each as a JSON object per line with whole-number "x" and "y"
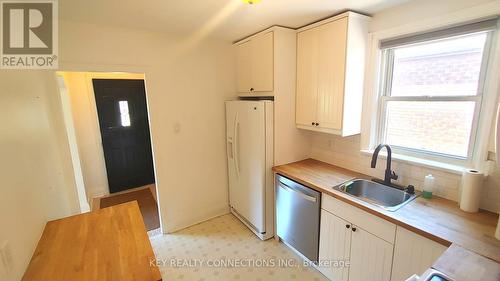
{"x": 389, "y": 174}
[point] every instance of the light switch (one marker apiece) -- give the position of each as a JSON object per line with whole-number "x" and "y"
{"x": 177, "y": 128}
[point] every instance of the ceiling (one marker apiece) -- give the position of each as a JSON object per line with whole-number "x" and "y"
{"x": 224, "y": 19}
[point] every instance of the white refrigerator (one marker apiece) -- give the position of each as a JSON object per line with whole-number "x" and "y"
{"x": 250, "y": 157}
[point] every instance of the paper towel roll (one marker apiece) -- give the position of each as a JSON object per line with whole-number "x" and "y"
{"x": 472, "y": 184}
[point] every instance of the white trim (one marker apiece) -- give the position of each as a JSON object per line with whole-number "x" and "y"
{"x": 262, "y": 32}
{"x": 319, "y": 129}
{"x": 426, "y": 163}
{"x": 490, "y": 95}
{"x": 385, "y": 96}
{"x": 369, "y": 133}
{"x": 331, "y": 19}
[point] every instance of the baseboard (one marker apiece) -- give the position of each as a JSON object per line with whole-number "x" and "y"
{"x": 182, "y": 224}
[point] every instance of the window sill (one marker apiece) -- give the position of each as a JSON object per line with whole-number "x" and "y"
{"x": 432, "y": 164}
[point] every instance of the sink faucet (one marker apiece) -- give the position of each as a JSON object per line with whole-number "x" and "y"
{"x": 389, "y": 174}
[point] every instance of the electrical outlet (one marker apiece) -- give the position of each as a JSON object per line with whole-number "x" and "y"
{"x": 6, "y": 261}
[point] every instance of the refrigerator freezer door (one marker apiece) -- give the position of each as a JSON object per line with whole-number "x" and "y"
{"x": 245, "y": 123}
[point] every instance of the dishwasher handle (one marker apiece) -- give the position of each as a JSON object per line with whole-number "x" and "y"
{"x": 298, "y": 192}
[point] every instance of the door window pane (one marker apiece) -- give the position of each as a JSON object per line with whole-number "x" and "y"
{"x": 448, "y": 67}
{"x": 439, "y": 127}
{"x": 124, "y": 113}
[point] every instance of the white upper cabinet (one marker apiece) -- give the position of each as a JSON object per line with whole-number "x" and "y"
{"x": 307, "y": 70}
{"x": 243, "y": 64}
{"x": 330, "y": 74}
{"x": 255, "y": 65}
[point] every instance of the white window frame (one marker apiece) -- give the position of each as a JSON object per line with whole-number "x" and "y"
{"x": 385, "y": 85}
{"x": 371, "y": 111}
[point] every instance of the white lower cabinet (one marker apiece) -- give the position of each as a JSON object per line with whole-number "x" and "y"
{"x": 334, "y": 245}
{"x": 376, "y": 249}
{"x": 370, "y": 257}
{"x": 413, "y": 254}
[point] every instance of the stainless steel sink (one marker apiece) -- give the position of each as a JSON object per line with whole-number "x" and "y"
{"x": 386, "y": 197}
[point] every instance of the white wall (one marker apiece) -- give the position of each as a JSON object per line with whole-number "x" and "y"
{"x": 420, "y": 10}
{"x": 345, "y": 152}
{"x": 290, "y": 144}
{"x": 186, "y": 83}
{"x": 35, "y": 166}
{"x": 72, "y": 144}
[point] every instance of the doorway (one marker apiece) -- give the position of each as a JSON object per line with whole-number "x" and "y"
{"x": 111, "y": 124}
{"x": 123, "y": 121}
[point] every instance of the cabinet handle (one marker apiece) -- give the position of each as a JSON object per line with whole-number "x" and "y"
{"x": 354, "y": 229}
{"x": 312, "y": 123}
{"x": 317, "y": 124}
{"x": 251, "y": 89}
{"x": 347, "y": 226}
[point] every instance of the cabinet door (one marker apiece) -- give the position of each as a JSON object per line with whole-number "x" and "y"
{"x": 331, "y": 67}
{"x": 262, "y": 63}
{"x": 371, "y": 257}
{"x": 243, "y": 67}
{"x": 334, "y": 246}
{"x": 413, "y": 254}
{"x": 307, "y": 77}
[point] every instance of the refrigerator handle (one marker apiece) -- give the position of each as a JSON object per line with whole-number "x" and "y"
{"x": 235, "y": 145}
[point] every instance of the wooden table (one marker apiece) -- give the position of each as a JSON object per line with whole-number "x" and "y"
{"x": 108, "y": 244}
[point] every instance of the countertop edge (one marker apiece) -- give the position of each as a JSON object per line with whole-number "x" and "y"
{"x": 372, "y": 209}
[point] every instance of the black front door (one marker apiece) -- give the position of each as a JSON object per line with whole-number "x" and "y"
{"x": 123, "y": 118}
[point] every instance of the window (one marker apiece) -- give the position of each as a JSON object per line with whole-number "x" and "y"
{"x": 124, "y": 114}
{"x": 431, "y": 91}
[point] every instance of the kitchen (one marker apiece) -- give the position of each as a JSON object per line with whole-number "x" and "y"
{"x": 358, "y": 141}
{"x": 311, "y": 213}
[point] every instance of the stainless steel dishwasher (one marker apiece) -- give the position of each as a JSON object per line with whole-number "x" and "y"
{"x": 297, "y": 216}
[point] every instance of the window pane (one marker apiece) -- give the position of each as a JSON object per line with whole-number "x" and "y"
{"x": 123, "y": 106}
{"x": 124, "y": 115}
{"x": 441, "y": 127}
{"x": 448, "y": 67}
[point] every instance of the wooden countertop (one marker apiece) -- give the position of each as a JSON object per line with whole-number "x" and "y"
{"x": 108, "y": 244}
{"x": 461, "y": 264}
{"x": 438, "y": 219}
